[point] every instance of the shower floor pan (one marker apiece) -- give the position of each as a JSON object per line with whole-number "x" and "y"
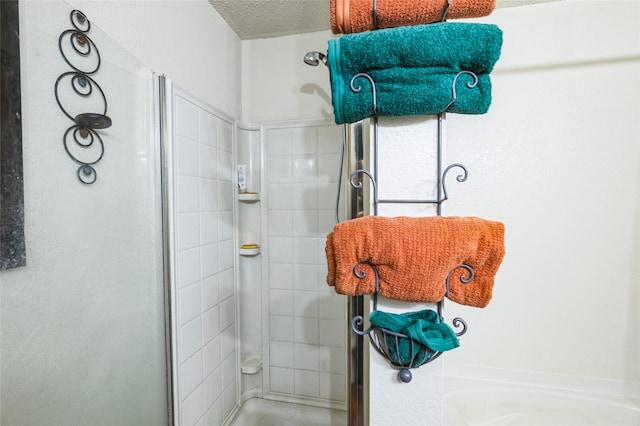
{"x": 262, "y": 412}
{"x": 466, "y": 404}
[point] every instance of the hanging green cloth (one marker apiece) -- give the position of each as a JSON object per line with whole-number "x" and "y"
{"x": 426, "y": 334}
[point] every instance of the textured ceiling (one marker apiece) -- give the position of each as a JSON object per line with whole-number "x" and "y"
{"x": 273, "y": 18}
{"x": 252, "y": 19}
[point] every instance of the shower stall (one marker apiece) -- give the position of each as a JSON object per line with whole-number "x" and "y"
{"x": 279, "y": 333}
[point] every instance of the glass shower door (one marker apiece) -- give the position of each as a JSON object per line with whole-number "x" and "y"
{"x": 83, "y": 324}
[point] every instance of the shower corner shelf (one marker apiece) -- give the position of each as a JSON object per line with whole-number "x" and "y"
{"x": 253, "y": 251}
{"x": 251, "y": 366}
{"x": 249, "y": 197}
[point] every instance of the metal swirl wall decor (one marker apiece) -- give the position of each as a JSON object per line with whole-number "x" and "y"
{"x": 81, "y": 141}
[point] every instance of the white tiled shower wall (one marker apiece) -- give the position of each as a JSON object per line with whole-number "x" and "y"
{"x": 203, "y": 250}
{"x": 307, "y": 320}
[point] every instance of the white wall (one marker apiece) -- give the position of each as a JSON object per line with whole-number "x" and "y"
{"x": 407, "y": 165}
{"x": 556, "y": 158}
{"x": 185, "y": 39}
{"x": 278, "y": 85}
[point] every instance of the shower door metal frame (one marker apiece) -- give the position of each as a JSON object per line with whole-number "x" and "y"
{"x": 163, "y": 85}
{"x": 357, "y": 157}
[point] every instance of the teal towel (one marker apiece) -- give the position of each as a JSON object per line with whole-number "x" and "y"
{"x": 425, "y": 328}
{"x": 413, "y": 69}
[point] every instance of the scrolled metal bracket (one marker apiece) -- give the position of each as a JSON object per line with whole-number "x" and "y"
{"x": 388, "y": 342}
{"x": 81, "y": 141}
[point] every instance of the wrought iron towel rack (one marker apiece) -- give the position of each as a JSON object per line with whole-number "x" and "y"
{"x": 380, "y": 337}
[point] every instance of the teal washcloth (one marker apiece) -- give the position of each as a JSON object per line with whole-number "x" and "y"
{"x": 413, "y": 69}
{"x": 425, "y": 328}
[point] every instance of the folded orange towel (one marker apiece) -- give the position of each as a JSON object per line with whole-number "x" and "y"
{"x": 414, "y": 256}
{"x": 355, "y": 16}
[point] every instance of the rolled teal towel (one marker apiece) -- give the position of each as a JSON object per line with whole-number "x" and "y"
{"x": 413, "y": 69}
{"x": 425, "y": 328}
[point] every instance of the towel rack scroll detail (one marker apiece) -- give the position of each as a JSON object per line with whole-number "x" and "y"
{"x": 389, "y": 338}
{"x": 454, "y": 91}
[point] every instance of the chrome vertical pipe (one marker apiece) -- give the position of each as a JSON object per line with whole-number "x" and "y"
{"x": 439, "y": 154}
{"x": 163, "y": 140}
{"x": 357, "y": 206}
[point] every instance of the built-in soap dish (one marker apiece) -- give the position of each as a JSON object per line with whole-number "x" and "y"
{"x": 251, "y": 366}
{"x": 249, "y": 196}
{"x": 249, "y": 249}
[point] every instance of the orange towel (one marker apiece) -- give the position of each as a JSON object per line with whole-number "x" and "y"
{"x": 355, "y": 16}
{"x": 414, "y": 256}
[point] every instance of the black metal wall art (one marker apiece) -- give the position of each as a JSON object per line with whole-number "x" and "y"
{"x": 81, "y": 98}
